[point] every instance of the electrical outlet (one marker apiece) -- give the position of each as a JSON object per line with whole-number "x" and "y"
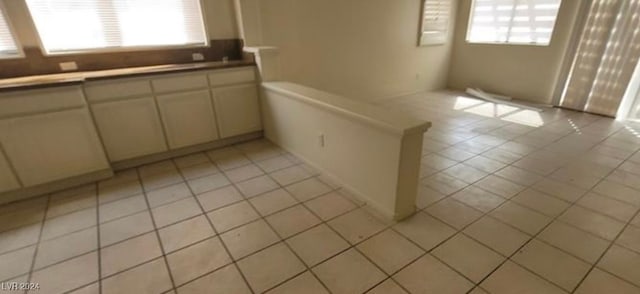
{"x": 321, "y": 140}
{"x": 68, "y": 66}
{"x": 197, "y": 56}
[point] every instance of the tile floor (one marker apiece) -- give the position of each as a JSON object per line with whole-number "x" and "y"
{"x": 511, "y": 201}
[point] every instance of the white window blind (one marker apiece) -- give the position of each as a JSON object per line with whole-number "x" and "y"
{"x": 512, "y": 21}
{"x": 435, "y": 21}
{"x": 81, "y": 25}
{"x": 8, "y": 44}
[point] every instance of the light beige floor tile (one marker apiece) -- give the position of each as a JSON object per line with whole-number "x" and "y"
{"x": 224, "y": 280}
{"x": 630, "y": 238}
{"x": 554, "y": 265}
{"x": 454, "y": 213}
{"x": 595, "y": 223}
{"x": 308, "y": 189}
{"x": 330, "y": 205}
{"x": 273, "y": 201}
{"x": 157, "y": 168}
{"x": 231, "y": 162}
{"x": 124, "y": 207}
{"x": 196, "y": 260}
{"x": 185, "y": 233}
{"x": 161, "y": 179}
{"x": 175, "y": 212}
{"x": 580, "y": 177}
{"x": 512, "y": 278}
{"x": 427, "y": 196}
{"x": 625, "y": 178}
{"x": 270, "y": 267}
{"x": 191, "y": 160}
{"x": 444, "y": 184}
{"x": 478, "y": 198}
{"x": 317, "y": 244}
{"x": 20, "y": 237}
{"x": 149, "y": 278}
{"x": 478, "y": 290}
{"x": 66, "y": 247}
{"x": 485, "y": 164}
{"x": 249, "y": 238}
{"x": 438, "y": 162}
{"x": 608, "y": 206}
{"x": 292, "y": 221}
{"x": 225, "y": 152}
{"x": 428, "y": 275}
{"x": 623, "y": 263}
{"x": 208, "y": 183}
{"x": 390, "y": 251}
{"x": 218, "y": 198}
{"x": 559, "y": 189}
{"x": 518, "y": 176}
{"x": 68, "y": 275}
{"x": 90, "y": 289}
{"x": 525, "y": 219}
{"x": 618, "y": 191}
{"x": 232, "y": 216}
{"x": 304, "y": 283}
{"x": 290, "y": 175}
{"x": 502, "y": 155}
{"x": 124, "y": 228}
{"x": 199, "y": 170}
{"x": 243, "y": 173}
{"x": 424, "y": 230}
{"x": 120, "y": 190}
{"x": 20, "y": 261}
{"x": 275, "y": 163}
{"x": 256, "y": 186}
{"x": 68, "y": 223}
{"x": 168, "y": 194}
{"x": 82, "y": 198}
{"x": 357, "y": 225}
{"x": 20, "y": 279}
{"x": 499, "y": 186}
{"x": 387, "y": 287}
{"x": 583, "y": 245}
{"x": 127, "y": 254}
{"x": 541, "y": 202}
{"x": 465, "y": 173}
{"x": 496, "y": 235}
{"x": 468, "y": 257}
{"x": 452, "y": 153}
{"x": 598, "y": 282}
{"x": 349, "y": 272}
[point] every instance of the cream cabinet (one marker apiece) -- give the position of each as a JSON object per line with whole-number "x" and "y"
{"x": 52, "y": 146}
{"x": 237, "y": 109}
{"x": 129, "y": 128}
{"x": 188, "y": 118}
{"x": 8, "y": 181}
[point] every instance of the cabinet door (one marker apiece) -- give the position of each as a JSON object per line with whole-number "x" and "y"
{"x": 53, "y": 146}
{"x": 130, "y": 128}
{"x": 188, "y": 118}
{"x": 8, "y": 180}
{"x": 237, "y": 110}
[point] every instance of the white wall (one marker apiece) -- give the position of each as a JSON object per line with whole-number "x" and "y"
{"x": 362, "y": 49}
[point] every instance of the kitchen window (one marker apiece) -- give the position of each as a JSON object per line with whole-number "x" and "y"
{"x": 67, "y": 26}
{"x": 8, "y": 44}
{"x": 435, "y": 21}
{"x": 528, "y": 22}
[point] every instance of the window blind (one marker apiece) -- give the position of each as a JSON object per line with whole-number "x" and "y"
{"x": 512, "y": 21}
{"x": 80, "y": 25}
{"x": 8, "y": 46}
{"x": 435, "y": 21}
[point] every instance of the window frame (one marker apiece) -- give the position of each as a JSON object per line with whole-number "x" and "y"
{"x": 14, "y": 35}
{"x": 507, "y": 43}
{"x": 103, "y": 50}
{"x": 439, "y": 38}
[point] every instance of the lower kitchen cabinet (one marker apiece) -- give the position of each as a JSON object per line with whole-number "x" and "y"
{"x": 8, "y": 180}
{"x": 52, "y": 146}
{"x": 130, "y": 128}
{"x": 188, "y": 118}
{"x": 237, "y": 109}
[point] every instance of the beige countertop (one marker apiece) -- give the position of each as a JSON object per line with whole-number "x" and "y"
{"x": 39, "y": 81}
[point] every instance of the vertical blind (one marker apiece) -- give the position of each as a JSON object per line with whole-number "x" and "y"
{"x": 8, "y": 47}
{"x": 512, "y": 21}
{"x": 79, "y": 25}
{"x": 435, "y": 21}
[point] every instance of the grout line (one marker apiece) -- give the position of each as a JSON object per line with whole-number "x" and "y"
{"x": 37, "y": 244}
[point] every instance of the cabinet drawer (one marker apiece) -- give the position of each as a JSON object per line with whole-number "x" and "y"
{"x": 113, "y": 89}
{"x": 33, "y": 101}
{"x": 180, "y": 82}
{"x": 232, "y": 76}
